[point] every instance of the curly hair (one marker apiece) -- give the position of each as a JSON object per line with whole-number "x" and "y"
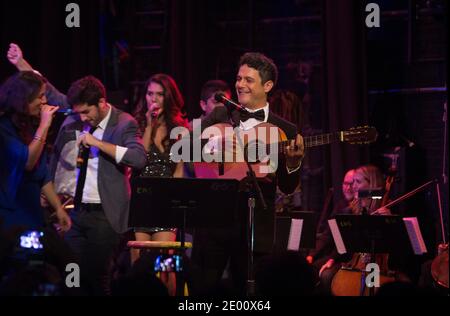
{"x": 19, "y": 91}
{"x": 16, "y": 94}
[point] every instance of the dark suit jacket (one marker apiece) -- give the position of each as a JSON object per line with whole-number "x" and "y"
{"x": 286, "y": 182}
{"x": 113, "y": 179}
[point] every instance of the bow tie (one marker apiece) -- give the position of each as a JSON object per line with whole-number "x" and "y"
{"x": 258, "y": 115}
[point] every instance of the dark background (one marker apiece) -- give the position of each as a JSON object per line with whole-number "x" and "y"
{"x": 393, "y": 77}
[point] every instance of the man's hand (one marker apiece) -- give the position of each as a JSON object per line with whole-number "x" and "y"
{"x": 295, "y": 152}
{"x": 88, "y": 140}
{"x": 64, "y": 221}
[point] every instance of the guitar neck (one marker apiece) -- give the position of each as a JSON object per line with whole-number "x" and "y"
{"x": 319, "y": 140}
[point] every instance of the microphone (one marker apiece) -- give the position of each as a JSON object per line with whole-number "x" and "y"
{"x": 83, "y": 151}
{"x": 81, "y": 154}
{"x": 66, "y": 112}
{"x": 220, "y": 97}
{"x": 154, "y": 108}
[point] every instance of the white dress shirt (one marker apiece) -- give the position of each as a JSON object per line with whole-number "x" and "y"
{"x": 90, "y": 192}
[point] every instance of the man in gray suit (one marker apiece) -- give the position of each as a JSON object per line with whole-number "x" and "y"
{"x": 113, "y": 139}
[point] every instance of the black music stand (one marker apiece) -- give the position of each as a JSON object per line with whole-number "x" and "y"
{"x": 183, "y": 203}
{"x": 285, "y": 231}
{"x": 370, "y": 234}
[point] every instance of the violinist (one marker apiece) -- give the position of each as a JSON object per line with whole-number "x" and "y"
{"x": 364, "y": 177}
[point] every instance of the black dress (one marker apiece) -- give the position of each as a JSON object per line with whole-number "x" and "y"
{"x": 159, "y": 165}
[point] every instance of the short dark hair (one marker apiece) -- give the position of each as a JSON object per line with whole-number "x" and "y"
{"x": 86, "y": 90}
{"x": 212, "y": 86}
{"x": 265, "y": 66}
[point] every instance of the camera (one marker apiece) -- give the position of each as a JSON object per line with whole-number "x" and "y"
{"x": 31, "y": 240}
{"x": 168, "y": 263}
{"x": 30, "y": 249}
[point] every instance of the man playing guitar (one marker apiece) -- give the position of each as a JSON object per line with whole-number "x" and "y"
{"x": 256, "y": 77}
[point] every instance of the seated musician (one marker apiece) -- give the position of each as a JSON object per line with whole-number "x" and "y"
{"x": 256, "y": 77}
{"x": 364, "y": 177}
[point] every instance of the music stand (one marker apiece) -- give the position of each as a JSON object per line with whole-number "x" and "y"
{"x": 183, "y": 203}
{"x": 369, "y": 234}
{"x": 291, "y": 234}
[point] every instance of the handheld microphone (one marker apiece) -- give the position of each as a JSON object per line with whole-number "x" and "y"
{"x": 220, "y": 97}
{"x": 154, "y": 108}
{"x": 83, "y": 151}
{"x": 66, "y": 112}
{"x": 81, "y": 154}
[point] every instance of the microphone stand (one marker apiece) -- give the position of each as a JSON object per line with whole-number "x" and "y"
{"x": 251, "y": 203}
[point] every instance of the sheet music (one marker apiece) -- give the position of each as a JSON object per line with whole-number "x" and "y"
{"x": 337, "y": 236}
{"x": 415, "y": 235}
{"x": 295, "y": 234}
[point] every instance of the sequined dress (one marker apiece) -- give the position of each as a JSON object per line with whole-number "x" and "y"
{"x": 159, "y": 165}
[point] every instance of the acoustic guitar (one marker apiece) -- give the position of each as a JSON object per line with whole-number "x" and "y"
{"x": 261, "y": 147}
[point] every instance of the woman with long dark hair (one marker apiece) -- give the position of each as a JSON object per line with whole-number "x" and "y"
{"x": 159, "y": 111}
{"x": 25, "y": 118}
